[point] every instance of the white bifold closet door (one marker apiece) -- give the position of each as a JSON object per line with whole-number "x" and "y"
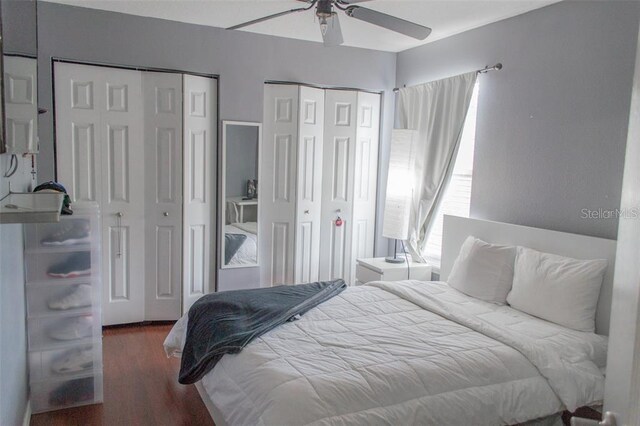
{"x": 319, "y": 163}
{"x": 309, "y": 191}
{"x": 350, "y": 177}
{"x": 277, "y": 184}
{"x": 99, "y": 134}
{"x": 290, "y": 184}
{"x": 200, "y": 146}
{"x": 163, "y": 194}
{"x": 119, "y": 142}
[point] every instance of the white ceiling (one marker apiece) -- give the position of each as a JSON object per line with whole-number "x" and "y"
{"x": 445, "y": 17}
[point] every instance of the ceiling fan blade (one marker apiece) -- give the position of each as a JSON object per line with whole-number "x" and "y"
{"x": 266, "y": 18}
{"x": 348, "y": 2}
{"x": 333, "y": 37}
{"x": 389, "y": 22}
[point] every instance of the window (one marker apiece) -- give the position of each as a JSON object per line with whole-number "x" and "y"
{"x": 457, "y": 197}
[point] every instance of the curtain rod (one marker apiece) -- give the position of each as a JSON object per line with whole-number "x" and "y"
{"x": 484, "y": 70}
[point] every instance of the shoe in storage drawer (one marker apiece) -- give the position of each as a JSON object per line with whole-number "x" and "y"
{"x": 65, "y": 363}
{"x": 67, "y": 233}
{"x": 53, "y": 299}
{"x": 56, "y": 394}
{"x": 63, "y": 331}
{"x": 43, "y": 267}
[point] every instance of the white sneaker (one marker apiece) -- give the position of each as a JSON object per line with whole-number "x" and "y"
{"x": 74, "y": 361}
{"x": 73, "y": 328}
{"x": 79, "y": 297}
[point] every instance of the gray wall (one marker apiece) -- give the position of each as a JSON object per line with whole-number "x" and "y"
{"x": 552, "y": 125}
{"x": 19, "y": 27}
{"x": 13, "y": 344}
{"x": 243, "y": 60}
{"x": 241, "y": 159}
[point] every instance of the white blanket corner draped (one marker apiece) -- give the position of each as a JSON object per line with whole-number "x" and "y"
{"x": 437, "y": 110}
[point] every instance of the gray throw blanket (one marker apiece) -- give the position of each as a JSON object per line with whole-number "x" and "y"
{"x": 222, "y": 323}
{"x": 232, "y": 242}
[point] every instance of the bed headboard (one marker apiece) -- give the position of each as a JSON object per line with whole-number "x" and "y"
{"x": 457, "y": 229}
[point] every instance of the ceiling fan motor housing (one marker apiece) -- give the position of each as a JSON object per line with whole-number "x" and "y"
{"x": 324, "y": 9}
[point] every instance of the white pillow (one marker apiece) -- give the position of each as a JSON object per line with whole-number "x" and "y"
{"x": 556, "y": 288}
{"x": 483, "y": 270}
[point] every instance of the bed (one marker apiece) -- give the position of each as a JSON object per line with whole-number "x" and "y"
{"x": 415, "y": 352}
{"x": 244, "y": 250}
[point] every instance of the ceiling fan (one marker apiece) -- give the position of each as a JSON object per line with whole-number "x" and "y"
{"x": 330, "y": 24}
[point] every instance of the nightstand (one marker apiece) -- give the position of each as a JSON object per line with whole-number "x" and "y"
{"x": 240, "y": 203}
{"x": 376, "y": 269}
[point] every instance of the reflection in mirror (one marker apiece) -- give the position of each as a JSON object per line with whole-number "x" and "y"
{"x": 19, "y": 77}
{"x": 241, "y": 152}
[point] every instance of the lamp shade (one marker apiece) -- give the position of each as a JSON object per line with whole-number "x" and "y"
{"x": 397, "y": 206}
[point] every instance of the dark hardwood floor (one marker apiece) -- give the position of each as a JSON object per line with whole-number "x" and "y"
{"x": 140, "y": 385}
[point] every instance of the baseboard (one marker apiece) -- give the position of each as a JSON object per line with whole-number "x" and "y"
{"x": 27, "y": 414}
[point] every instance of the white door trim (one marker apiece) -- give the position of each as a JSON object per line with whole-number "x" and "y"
{"x": 622, "y": 388}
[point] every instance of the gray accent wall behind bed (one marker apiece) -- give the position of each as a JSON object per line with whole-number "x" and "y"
{"x": 552, "y": 125}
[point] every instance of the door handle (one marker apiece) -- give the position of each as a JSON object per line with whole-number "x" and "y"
{"x": 306, "y": 212}
{"x": 165, "y": 214}
{"x": 119, "y": 214}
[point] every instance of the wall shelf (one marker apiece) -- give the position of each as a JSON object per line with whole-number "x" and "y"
{"x": 31, "y": 207}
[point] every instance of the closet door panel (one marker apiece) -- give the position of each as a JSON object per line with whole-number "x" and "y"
{"x": 123, "y": 216}
{"x": 340, "y": 169}
{"x": 77, "y": 131}
{"x": 278, "y": 171}
{"x": 163, "y": 194}
{"x": 118, "y": 273}
{"x": 336, "y": 257}
{"x": 83, "y": 173}
{"x": 199, "y": 148}
{"x": 118, "y": 163}
{"x": 337, "y": 246}
{"x": 309, "y": 184}
{"x": 21, "y": 104}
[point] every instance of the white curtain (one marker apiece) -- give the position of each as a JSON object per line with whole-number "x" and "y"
{"x": 437, "y": 110}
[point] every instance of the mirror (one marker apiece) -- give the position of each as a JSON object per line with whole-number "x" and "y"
{"x": 240, "y": 160}
{"x": 19, "y": 106}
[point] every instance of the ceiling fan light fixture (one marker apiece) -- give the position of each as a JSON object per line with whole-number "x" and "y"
{"x": 323, "y": 25}
{"x": 324, "y": 12}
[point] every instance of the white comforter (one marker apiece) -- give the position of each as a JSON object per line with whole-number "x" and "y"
{"x": 408, "y": 352}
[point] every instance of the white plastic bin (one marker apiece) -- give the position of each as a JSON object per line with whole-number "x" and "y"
{"x": 69, "y": 297}
{"x": 50, "y": 395}
{"x": 63, "y": 331}
{"x": 71, "y": 232}
{"x": 69, "y": 362}
{"x": 59, "y": 266}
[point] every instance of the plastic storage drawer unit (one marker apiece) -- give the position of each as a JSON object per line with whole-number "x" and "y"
{"x": 63, "y": 298}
